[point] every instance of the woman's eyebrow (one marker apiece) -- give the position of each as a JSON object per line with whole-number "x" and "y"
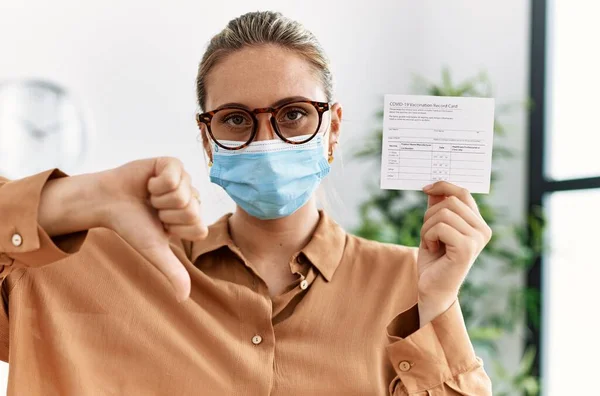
{"x": 278, "y": 103}
{"x": 288, "y": 100}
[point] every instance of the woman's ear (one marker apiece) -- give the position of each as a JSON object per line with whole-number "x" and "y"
{"x": 336, "y": 126}
{"x": 206, "y": 141}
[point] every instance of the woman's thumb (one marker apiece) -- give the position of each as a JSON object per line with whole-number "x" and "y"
{"x": 166, "y": 262}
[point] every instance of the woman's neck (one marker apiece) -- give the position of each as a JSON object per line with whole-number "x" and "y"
{"x": 269, "y": 244}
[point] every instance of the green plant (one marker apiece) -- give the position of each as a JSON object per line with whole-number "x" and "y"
{"x": 492, "y": 306}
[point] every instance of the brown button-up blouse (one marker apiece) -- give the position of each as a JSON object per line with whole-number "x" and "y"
{"x": 85, "y": 314}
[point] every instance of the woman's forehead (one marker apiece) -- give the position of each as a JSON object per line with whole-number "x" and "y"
{"x": 260, "y": 76}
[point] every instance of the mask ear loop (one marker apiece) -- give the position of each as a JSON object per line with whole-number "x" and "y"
{"x": 201, "y": 141}
{"x": 207, "y": 158}
{"x": 214, "y": 149}
{"x": 330, "y": 153}
{"x": 330, "y": 158}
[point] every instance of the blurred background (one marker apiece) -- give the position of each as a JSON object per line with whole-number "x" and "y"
{"x": 86, "y": 86}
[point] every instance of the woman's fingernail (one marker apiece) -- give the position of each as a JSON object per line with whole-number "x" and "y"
{"x": 428, "y": 187}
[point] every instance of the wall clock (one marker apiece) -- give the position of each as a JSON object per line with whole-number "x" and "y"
{"x": 42, "y": 126}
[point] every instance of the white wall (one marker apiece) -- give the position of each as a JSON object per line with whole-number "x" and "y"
{"x": 135, "y": 62}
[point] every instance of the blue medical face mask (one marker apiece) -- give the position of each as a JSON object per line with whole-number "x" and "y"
{"x": 270, "y": 179}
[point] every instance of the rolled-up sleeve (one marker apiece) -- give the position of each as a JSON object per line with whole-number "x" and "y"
{"x": 437, "y": 359}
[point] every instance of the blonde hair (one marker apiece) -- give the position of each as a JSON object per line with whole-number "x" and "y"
{"x": 262, "y": 28}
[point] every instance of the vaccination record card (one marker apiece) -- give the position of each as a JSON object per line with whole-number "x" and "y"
{"x": 432, "y": 138}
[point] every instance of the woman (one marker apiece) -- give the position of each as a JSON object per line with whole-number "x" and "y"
{"x": 274, "y": 299}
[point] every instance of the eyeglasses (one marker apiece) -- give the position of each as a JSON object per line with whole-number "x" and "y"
{"x": 234, "y": 128}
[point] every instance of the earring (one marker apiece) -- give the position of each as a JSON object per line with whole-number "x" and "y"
{"x": 330, "y": 159}
{"x": 210, "y": 163}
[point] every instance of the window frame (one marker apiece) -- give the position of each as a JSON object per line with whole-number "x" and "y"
{"x": 540, "y": 185}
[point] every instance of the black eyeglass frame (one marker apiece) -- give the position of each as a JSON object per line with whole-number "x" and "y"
{"x": 206, "y": 119}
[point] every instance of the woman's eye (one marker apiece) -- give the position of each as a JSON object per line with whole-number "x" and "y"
{"x": 293, "y": 115}
{"x": 235, "y": 120}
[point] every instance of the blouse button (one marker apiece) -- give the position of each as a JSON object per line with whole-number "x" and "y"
{"x": 304, "y": 284}
{"x": 256, "y": 339}
{"x": 17, "y": 240}
{"x": 404, "y": 365}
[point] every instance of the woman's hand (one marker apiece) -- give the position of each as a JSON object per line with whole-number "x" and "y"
{"x": 150, "y": 200}
{"x": 452, "y": 236}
